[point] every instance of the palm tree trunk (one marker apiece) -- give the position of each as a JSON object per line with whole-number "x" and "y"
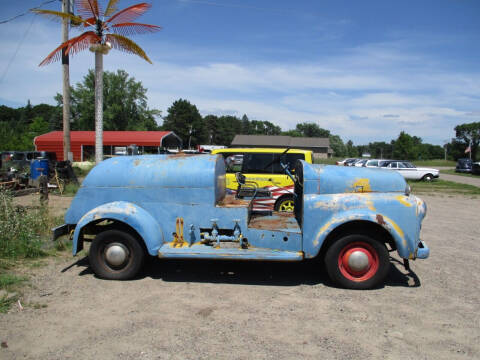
{"x": 98, "y": 106}
{"x": 66, "y": 87}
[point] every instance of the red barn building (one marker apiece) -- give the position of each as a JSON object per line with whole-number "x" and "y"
{"x": 82, "y": 143}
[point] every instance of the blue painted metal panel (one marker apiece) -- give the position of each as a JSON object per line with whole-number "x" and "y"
{"x": 208, "y": 252}
{"x": 136, "y": 217}
{"x": 400, "y": 215}
{"x": 332, "y": 179}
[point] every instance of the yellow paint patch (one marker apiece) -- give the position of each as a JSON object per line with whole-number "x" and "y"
{"x": 395, "y": 226}
{"x": 402, "y": 200}
{"x": 362, "y": 185}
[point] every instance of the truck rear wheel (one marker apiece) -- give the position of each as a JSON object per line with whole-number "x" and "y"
{"x": 116, "y": 255}
{"x": 357, "y": 262}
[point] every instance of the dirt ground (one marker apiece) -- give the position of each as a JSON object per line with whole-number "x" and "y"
{"x": 233, "y": 310}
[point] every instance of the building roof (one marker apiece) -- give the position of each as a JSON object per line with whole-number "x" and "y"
{"x": 143, "y": 138}
{"x": 283, "y": 141}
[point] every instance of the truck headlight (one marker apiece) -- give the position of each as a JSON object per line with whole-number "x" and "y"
{"x": 408, "y": 190}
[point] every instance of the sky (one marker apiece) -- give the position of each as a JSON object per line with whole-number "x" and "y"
{"x": 365, "y": 70}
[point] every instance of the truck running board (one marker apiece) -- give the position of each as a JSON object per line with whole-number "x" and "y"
{"x": 209, "y": 252}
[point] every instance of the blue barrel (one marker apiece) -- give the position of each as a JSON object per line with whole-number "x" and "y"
{"x": 38, "y": 167}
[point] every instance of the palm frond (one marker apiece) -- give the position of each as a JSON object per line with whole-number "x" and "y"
{"x": 111, "y": 7}
{"x": 88, "y": 8}
{"x": 122, "y": 43}
{"x": 90, "y": 21}
{"x": 58, "y": 15}
{"x": 72, "y": 46}
{"x": 129, "y": 14}
{"x": 127, "y": 29}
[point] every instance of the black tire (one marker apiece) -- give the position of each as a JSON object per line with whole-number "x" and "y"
{"x": 285, "y": 204}
{"x": 427, "y": 177}
{"x": 345, "y": 272}
{"x": 118, "y": 268}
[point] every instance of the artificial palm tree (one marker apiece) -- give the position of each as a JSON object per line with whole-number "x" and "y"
{"x": 107, "y": 29}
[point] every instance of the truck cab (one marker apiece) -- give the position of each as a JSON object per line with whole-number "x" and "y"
{"x": 177, "y": 206}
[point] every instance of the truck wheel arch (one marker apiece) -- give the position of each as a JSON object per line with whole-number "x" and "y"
{"x": 136, "y": 221}
{"x": 360, "y": 227}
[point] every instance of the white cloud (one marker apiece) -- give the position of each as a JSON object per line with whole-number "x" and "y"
{"x": 368, "y": 93}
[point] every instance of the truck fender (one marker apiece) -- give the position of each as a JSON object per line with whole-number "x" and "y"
{"x": 133, "y": 215}
{"x": 313, "y": 248}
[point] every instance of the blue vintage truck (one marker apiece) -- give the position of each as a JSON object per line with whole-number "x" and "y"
{"x": 176, "y": 206}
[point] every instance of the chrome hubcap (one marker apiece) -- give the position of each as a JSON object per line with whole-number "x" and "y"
{"x": 358, "y": 261}
{"x": 116, "y": 254}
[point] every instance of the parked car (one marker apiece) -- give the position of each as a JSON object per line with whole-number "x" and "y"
{"x": 341, "y": 163}
{"x": 261, "y": 168}
{"x": 177, "y": 206}
{"x": 360, "y": 162}
{"x": 476, "y": 168}
{"x": 376, "y": 163}
{"x": 350, "y": 162}
{"x": 464, "y": 165}
{"x": 410, "y": 171}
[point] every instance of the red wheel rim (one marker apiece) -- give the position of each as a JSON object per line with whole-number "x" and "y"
{"x": 369, "y": 259}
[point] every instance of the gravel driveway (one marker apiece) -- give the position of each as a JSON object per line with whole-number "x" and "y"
{"x": 234, "y": 310}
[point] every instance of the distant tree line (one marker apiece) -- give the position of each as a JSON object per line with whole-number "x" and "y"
{"x": 125, "y": 108}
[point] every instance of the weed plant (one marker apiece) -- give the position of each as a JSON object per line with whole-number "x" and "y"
{"x": 22, "y": 231}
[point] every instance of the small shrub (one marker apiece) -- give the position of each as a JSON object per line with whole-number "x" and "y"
{"x": 21, "y": 229}
{"x": 70, "y": 189}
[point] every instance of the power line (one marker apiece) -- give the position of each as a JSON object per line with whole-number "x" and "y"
{"x": 17, "y": 49}
{"x": 27, "y": 12}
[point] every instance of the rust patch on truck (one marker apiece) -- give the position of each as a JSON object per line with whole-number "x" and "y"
{"x": 380, "y": 220}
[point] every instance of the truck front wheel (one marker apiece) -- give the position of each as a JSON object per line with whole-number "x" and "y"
{"x": 357, "y": 262}
{"x": 116, "y": 255}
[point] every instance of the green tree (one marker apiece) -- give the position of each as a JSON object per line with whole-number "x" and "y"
{"x": 185, "y": 120}
{"x": 351, "y": 149}
{"x": 37, "y": 127}
{"x": 469, "y": 135}
{"x": 124, "y": 103}
{"x": 312, "y": 130}
{"x": 406, "y": 147}
{"x": 19, "y": 126}
{"x": 337, "y": 145}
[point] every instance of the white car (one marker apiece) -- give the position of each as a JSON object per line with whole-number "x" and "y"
{"x": 411, "y": 172}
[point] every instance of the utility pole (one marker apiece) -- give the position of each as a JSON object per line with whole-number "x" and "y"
{"x": 67, "y": 7}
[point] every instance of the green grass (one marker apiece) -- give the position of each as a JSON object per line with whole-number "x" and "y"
{"x": 11, "y": 285}
{"x": 24, "y": 241}
{"x": 70, "y": 189}
{"x": 10, "y": 282}
{"x": 329, "y": 161}
{"x": 6, "y": 302}
{"x": 24, "y": 231}
{"x": 443, "y": 186}
{"x": 82, "y": 171}
{"x": 433, "y": 163}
